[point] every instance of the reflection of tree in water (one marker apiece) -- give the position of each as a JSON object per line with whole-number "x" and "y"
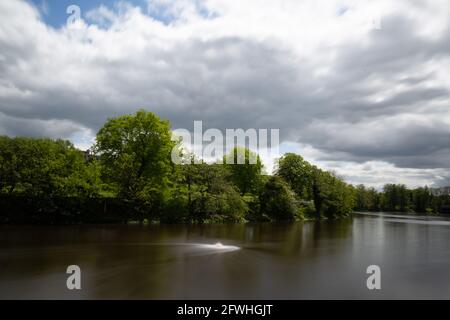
{"x": 330, "y": 230}
{"x": 290, "y": 238}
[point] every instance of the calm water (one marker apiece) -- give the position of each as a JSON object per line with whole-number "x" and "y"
{"x": 277, "y": 261}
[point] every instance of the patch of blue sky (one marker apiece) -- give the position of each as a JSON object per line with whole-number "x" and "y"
{"x": 342, "y": 10}
{"x": 167, "y": 14}
{"x": 54, "y": 12}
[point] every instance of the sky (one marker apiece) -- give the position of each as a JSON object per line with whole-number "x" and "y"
{"x": 359, "y": 87}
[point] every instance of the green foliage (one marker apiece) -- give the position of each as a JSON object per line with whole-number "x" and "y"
{"x": 307, "y": 209}
{"x": 209, "y": 195}
{"x": 131, "y": 177}
{"x": 297, "y": 172}
{"x": 398, "y": 198}
{"x": 317, "y": 190}
{"x": 135, "y": 153}
{"x": 277, "y": 201}
{"x": 421, "y": 200}
{"x": 367, "y": 198}
{"x": 85, "y": 181}
{"x": 332, "y": 197}
{"x": 44, "y": 167}
{"x": 245, "y": 169}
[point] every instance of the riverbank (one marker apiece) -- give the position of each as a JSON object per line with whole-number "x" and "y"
{"x": 26, "y": 210}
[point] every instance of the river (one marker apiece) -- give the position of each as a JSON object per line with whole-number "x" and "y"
{"x": 304, "y": 260}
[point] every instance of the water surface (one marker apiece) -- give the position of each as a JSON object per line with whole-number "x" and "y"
{"x": 254, "y": 261}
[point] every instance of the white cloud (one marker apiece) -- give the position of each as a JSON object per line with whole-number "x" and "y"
{"x": 343, "y": 94}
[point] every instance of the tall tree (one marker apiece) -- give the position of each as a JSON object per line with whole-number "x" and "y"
{"x": 135, "y": 151}
{"x": 297, "y": 173}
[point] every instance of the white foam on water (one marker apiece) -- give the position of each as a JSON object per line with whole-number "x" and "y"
{"x": 219, "y": 247}
{"x": 193, "y": 248}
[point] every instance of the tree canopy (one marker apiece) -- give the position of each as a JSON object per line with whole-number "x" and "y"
{"x": 45, "y": 167}
{"x": 135, "y": 153}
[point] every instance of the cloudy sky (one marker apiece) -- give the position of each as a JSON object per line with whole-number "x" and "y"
{"x": 358, "y": 87}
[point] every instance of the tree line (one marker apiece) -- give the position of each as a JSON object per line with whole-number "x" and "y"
{"x": 128, "y": 175}
{"x": 398, "y": 198}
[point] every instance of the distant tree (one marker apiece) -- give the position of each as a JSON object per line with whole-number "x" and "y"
{"x": 373, "y": 199}
{"x": 421, "y": 199}
{"x": 396, "y": 197}
{"x": 366, "y": 199}
{"x": 361, "y": 198}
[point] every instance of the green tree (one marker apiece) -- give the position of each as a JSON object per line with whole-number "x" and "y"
{"x": 85, "y": 181}
{"x": 361, "y": 198}
{"x": 297, "y": 173}
{"x": 245, "y": 168}
{"x": 332, "y": 197}
{"x": 277, "y": 201}
{"x": 135, "y": 151}
{"x": 396, "y": 197}
{"x": 207, "y": 195}
{"x": 373, "y": 199}
{"x": 45, "y": 167}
